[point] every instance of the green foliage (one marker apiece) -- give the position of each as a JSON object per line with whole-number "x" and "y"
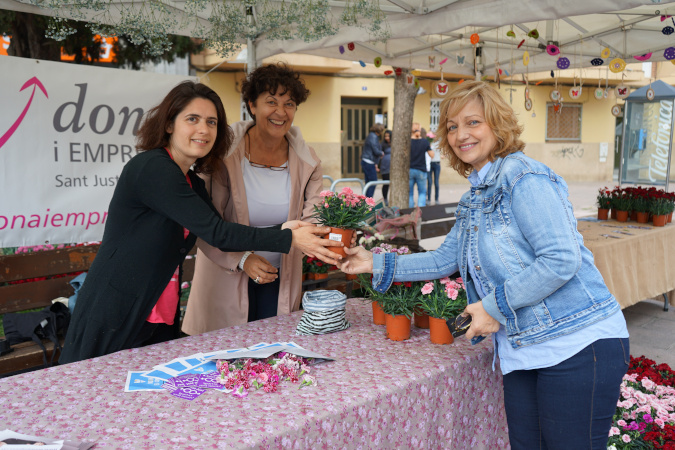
{"x": 439, "y": 303}
{"x": 400, "y": 299}
{"x": 223, "y": 24}
{"x": 344, "y": 210}
{"x": 73, "y": 36}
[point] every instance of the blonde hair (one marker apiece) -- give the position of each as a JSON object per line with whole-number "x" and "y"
{"x": 499, "y": 116}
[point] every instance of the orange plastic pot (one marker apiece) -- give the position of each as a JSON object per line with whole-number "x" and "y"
{"x": 439, "y": 331}
{"x": 398, "y": 327}
{"x": 421, "y": 319}
{"x": 341, "y": 235}
{"x": 642, "y": 217}
{"x": 378, "y": 315}
{"x": 603, "y": 214}
{"x": 660, "y": 221}
{"x": 622, "y": 216}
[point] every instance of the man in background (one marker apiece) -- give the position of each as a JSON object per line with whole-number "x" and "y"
{"x": 419, "y": 147}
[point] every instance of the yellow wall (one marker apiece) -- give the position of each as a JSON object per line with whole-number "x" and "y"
{"x": 319, "y": 120}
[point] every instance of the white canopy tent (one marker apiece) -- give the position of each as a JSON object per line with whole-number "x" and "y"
{"x": 418, "y": 29}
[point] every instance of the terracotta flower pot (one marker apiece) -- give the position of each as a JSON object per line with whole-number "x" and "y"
{"x": 351, "y": 277}
{"x": 670, "y": 217}
{"x": 304, "y": 276}
{"x": 622, "y": 216}
{"x": 378, "y": 315}
{"x": 398, "y": 327}
{"x": 320, "y": 276}
{"x": 310, "y": 275}
{"x": 642, "y": 217}
{"x": 339, "y": 234}
{"x": 612, "y": 213}
{"x": 421, "y": 319}
{"x": 633, "y": 216}
{"x": 603, "y": 214}
{"x": 660, "y": 221}
{"x": 440, "y": 333}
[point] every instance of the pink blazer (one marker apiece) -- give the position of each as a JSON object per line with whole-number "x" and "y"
{"x": 219, "y": 293}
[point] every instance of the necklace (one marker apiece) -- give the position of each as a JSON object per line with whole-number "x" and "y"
{"x": 247, "y": 154}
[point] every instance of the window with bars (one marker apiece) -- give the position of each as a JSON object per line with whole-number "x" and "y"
{"x": 563, "y": 125}
{"x": 434, "y": 113}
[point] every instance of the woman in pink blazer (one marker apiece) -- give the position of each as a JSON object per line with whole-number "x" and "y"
{"x": 269, "y": 174}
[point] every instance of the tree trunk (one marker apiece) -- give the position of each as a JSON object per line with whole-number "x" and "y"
{"x": 404, "y": 103}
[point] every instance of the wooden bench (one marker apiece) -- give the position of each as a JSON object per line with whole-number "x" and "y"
{"x": 59, "y": 267}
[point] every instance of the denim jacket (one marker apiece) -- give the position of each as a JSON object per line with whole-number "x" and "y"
{"x": 372, "y": 148}
{"x": 528, "y": 255}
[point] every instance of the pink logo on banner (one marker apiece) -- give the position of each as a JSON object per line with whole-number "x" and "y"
{"x": 36, "y": 84}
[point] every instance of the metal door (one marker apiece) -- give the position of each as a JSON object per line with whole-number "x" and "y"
{"x": 358, "y": 115}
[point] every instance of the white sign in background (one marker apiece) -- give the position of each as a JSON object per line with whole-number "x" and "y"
{"x": 66, "y": 131}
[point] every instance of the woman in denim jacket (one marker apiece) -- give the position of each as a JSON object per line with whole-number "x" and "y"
{"x": 532, "y": 286}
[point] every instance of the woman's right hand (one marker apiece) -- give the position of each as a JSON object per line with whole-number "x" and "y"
{"x": 259, "y": 269}
{"x": 359, "y": 260}
{"x": 307, "y": 239}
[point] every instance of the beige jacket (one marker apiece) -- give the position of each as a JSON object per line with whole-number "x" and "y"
{"x": 219, "y": 293}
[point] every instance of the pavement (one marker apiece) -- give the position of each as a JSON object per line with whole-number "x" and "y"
{"x": 652, "y": 330}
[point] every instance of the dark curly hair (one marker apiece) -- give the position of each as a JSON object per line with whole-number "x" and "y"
{"x": 153, "y": 134}
{"x": 277, "y": 79}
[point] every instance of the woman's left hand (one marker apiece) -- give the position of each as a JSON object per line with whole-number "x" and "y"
{"x": 482, "y": 323}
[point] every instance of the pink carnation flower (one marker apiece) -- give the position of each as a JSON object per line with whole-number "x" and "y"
{"x": 614, "y": 431}
{"x": 452, "y": 293}
{"x": 370, "y": 201}
{"x": 326, "y": 194}
{"x": 347, "y": 191}
{"x": 625, "y": 438}
{"x": 428, "y": 288}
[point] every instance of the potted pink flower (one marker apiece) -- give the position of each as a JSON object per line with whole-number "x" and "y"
{"x": 442, "y": 299}
{"x": 342, "y": 212}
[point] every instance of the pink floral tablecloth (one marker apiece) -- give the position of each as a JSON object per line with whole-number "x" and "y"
{"x": 376, "y": 394}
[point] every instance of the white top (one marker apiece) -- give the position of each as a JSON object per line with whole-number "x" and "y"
{"x": 268, "y": 195}
{"x": 437, "y": 152}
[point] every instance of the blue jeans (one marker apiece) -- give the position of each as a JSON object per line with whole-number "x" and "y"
{"x": 370, "y": 174}
{"x": 420, "y": 178}
{"x": 569, "y": 405}
{"x": 433, "y": 173}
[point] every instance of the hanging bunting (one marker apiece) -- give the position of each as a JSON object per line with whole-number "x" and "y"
{"x": 443, "y": 61}
{"x": 621, "y": 91}
{"x": 555, "y": 95}
{"x": 342, "y": 49}
{"x": 521, "y": 43}
{"x": 417, "y": 83}
{"x": 388, "y": 72}
{"x": 534, "y": 34}
{"x": 669, "y": 53}
{"x": 599, "y": 93}
{"x": 605, "y": 53}
{"x": 552, "y": 49}
{"x": 377, "y": 61}
{"x": 511, "y": 34}
{"x": 650, "y": 94}
{"x": 597, "y": 61}
{"x": 441, "y": 88}
{"x": 475, "y": 38}
{"x": 616, "y": 110}
{"x": 526, "y": 58}
{"x": 668, "y": 30}
{"x": 644, "y": 57}
{"x": 575, "y": 92}
{"x": 432, "y": 61}
{"x": 410, "y": 79}
{"x": 350, "y": 46}
{"x": 618, "y": 65}
{"x": 563, "y": 63}
{"x": 460, "y": 60}
{"x": 398, "y": 71}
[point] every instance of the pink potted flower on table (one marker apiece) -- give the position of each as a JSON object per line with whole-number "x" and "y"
{"x": 342, "y": 212}
{"x": 441, "y": 300}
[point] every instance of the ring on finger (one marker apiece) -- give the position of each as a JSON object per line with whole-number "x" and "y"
{"x": 257, "y": 280}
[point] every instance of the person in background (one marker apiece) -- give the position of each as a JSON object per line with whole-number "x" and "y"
{"x": 385, "y": 164}
{"x": 419, "y": 149}
{"x": 269, "y": 175}
{"x": 434, "y": 170}
{"x": 372, "y": 152}
{"x": 558, "y": 333}
{"x": 159, "y": 207}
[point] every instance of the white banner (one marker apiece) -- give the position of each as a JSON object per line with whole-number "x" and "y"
{"x": 66, "y": 131}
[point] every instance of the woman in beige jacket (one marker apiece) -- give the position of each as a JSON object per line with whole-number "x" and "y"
{"x": 232, "y": 288}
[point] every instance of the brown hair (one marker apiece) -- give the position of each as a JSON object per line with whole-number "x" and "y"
{"x": 377, "y": 128}
{"x": 275, "y": 79}
{"x": 499, "y": 116}
{"x": 153, "y": 134}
